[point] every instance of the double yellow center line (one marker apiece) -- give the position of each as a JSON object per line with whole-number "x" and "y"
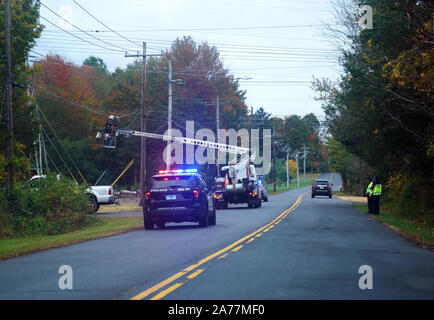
{"x": 233, "y": 247}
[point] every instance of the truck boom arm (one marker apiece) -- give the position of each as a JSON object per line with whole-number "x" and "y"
{"x": 206, "y": 144}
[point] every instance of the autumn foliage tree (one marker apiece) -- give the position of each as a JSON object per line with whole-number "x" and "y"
{"x": 25, "y": 29}
{"x": 382, "y": 108}
{"x": 77, "y": 100}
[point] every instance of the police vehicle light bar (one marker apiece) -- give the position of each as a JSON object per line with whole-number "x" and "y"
{"x": 177, "y": 171}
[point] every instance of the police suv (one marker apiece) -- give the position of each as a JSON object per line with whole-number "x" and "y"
{"x": 178, "y": 196}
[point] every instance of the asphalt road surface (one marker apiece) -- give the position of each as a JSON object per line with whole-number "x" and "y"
{"x": 294, "y": 247}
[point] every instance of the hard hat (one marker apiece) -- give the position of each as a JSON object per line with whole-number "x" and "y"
{"x": 111, "y": 117}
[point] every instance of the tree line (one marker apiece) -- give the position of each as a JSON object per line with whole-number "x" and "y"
{"x": 66, "y": 103}
{"x": 380, "y": 113}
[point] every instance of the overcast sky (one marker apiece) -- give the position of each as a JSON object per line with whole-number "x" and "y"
{"x": 276, "y": 45}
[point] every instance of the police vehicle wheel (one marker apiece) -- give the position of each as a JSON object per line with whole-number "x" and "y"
{"x": 266, "y": 199}
{"x": 161, "y": 224}
{"x": 250, "y": 205}
{"x": 203, "y": 220}
{"x": 225, "y": 206}
{"x": 330, "y": 196}
{"x": 149, "y": 224}
{"x": 313, "y": 196}
{"x": 212, "y": 219}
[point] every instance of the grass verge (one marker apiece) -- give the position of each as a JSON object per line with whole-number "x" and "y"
{"x": 124, "y": 207}
{"x": 310, "y": 178}
{"x": 103, "y": 228}
{"x": 344, "y": 195}
{"x": 419, "y": 234}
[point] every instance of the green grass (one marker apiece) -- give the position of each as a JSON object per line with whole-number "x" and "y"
{"x": 102, "y": 228}
{"x": 124, "y": 207}
{"x": 419, "y": 233}
{"x": 343, "y": 194}
{"x": 310, "y": 178}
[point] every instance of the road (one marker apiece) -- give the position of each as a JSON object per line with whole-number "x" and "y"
{"x": 294, "y": 247}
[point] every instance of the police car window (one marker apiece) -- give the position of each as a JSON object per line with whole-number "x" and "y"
{"x": 167, "y": 182}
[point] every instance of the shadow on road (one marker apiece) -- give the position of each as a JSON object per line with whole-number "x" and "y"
{"x": 180, "y": 227}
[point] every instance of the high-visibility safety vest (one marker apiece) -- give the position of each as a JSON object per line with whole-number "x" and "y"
{"x": 377, "y": 190}
{"x": 369, "y": 189}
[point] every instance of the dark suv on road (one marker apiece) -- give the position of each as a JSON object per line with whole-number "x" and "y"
{"x": 178, "y": 196}
{"x": 322, "y": 188}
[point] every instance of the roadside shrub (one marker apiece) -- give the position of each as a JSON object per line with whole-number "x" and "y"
{"x": 44, "y": 207}
{"x": 411, "y": 196}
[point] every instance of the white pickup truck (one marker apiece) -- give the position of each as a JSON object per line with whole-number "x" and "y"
{"x": 98, "y": 195}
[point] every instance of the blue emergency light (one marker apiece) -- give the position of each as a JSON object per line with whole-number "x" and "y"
{"x": 177, "y": 171}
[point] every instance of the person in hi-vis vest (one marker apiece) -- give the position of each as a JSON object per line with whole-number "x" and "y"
{"x": 368, "y": 193}
{"x": 376, "y": 194}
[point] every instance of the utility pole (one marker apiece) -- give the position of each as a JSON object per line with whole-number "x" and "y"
{"x": 143, "y": 128}
{"x": 143, "y": 56}
{"x": 304, "y": 163}
{"x": 217, "y": 120}
{"x": 8, "y": 95}
{"x": 274, "y": 165}
{"x": 274, "y": 160}
{"x": 169, "y": 116}
{"x": 250, "y": 130}
{"x": 287, "y": 168}
{"x": 296, "y": 166}
{"x": 251, "y": 118}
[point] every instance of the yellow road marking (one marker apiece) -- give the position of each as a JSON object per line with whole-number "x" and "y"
{"x": 158, "y": 286}
{"x": 223, "y": 256}
{"x": 237, "y": 248}
{"x": 164, "y": 293}
{"x": 250, "y": 240}
{"x": 188, "y": 269}
{"x": 258, "y": 235}
{"x": 266, "y": 230}
{"x": 212, "y": 256}
{"x": 195, "y": 274}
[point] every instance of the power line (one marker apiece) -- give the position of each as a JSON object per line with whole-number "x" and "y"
{"x": 60, "y": 142}
{"x": 70, "y": 33}
{"x": 76, "y": 68}
{"x": 105, "y": 24}
{"x": 108, "y": 36}
{"x": 217, "y": 28}
{"x": 39, "y": 54}
{"x": 81, "y": 29}
{"x": 55, "y": 149}
{"x": 248, "y": 49}
{"x": 69, "y": 101}
{"x": 262, "y": 7}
